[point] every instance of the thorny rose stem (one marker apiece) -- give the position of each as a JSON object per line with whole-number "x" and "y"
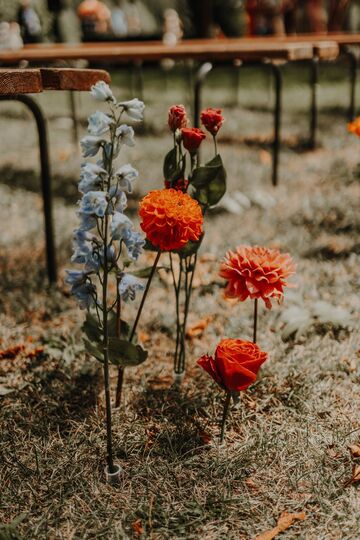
{"x": 225, "y": 412}
{"x": 121, "y": 369}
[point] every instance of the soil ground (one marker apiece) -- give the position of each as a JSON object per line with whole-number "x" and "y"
{"x": 287, "y": 443}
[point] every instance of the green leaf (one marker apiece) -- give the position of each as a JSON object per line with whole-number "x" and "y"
{"x": 210, "y": 182}
{"x": 124, "y": 353}
{"x": 149, "y": 246}
{"x": 170, "y": 164}
{"x": 93, "y": 350}
{"x": 190, "y": 248}
{"x": 92, "y": 328}
{"x": 124, "y": 326}
{"x": 144, "y": 273}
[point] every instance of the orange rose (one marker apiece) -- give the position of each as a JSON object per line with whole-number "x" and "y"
{"x": 170, "y": 218}
{"x": 235, "y": 365}
{"x": 257, "y": 272}
{"x": 192, "y": 138}
{"x": 177, "y": 118}
{"x": 212, "y": 120}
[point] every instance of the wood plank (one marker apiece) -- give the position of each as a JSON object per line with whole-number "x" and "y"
{"x": 71, "y": 79}
{"x": 20, "y": 81}
{"x": 203, "y": 50}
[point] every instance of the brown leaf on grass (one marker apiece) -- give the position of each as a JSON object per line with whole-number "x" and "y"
{"x": 12, "y": 352}
{"x": 34, "y": 353}
{"x": 137, "y": 527}
{"x": 197, "y": 329}
{"x": 354, "y": 450}
{"x": 159, "y": 383}
{"x": 284, "y": 522}
{"x": 265, "y": 157}
{"x": 355, "y": 478}
{"x": 251, "y": 484}
{"x": 205, "y": 437}
{"x": 143, "y": 337}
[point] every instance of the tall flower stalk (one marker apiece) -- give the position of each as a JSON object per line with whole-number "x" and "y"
{"x": 104, "y": 236}
{"x": 207, "y": 185}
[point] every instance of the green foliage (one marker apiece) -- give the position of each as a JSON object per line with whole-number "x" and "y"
{"x": 123, "y": 353}
{"x": 209, "y": 182}
{"x": 171, "y": 169}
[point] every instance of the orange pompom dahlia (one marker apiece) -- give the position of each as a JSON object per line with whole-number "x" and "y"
{"x": 354, "y": 127}
{"x": 257, "y": 272}
{"x": 170, "y": 218}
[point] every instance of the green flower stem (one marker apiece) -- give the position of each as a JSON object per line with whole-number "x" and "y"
{"x": 110, "y": 461}
{"x": 120, "y": 380}
{"x": 215, "y": 144}
{"x": 255, "y": 319}
{"x": 224, "y": 416}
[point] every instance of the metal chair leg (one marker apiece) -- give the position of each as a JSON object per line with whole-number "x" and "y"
{"x": 314, "y": 78}
{"x": 276, "y": 71}
{"x": 200, "y": 77}
{"x": 353, "y": 73}
{"x": 45, "y": 179}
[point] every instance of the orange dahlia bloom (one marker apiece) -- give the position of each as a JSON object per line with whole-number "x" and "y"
{"x": 257, "y": 272}
{"x": 354, "y": 127}
{"x": 170, "y": 218}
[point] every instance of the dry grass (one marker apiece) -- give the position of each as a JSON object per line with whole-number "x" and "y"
{"x": 287, "y": 442}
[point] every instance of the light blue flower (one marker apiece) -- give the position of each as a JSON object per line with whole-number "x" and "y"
{"x": 126, "y": 176}
{"x": 133, "y": 108}
{"x": 91, "y": 177}
{"x": 102, "y": 92}
{"x": 128, "y": 287}
{"x": 84, "y": 294}
{"x": 99, "y": 123}
{"x": 120, "y": 224}
{"x": 87, "y": 222}
{"x": 90, "y": 145}
{"x": 118, "y": 198}
{"x": 94, "y": 203}
{"x": 75, "y": 277}
{"x": 125, "y": 135}
{"x": 134, "y": 243}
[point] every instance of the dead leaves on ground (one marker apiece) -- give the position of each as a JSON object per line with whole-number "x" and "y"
{"x": 285, "y": 521}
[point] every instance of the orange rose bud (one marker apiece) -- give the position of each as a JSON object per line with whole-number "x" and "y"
{"x": 354, "y": 127}
{"x": 177, "y": 118}
{"x": 212, "y": 120}
{"x": 256, "y": 272}
{"x": 170, "y": 218}
{"x": 192, "y": 138}
{"x": 235, "y": 365}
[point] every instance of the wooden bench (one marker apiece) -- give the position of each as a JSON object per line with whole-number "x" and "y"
{"x": 16, "y": 84}
{"x": 245, "y": 50}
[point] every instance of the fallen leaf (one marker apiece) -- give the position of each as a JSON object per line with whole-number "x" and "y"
{"x": 137, "y": 527}
{"x": 284, "y": 522}
{"x": 265, "y": 157}
{"x": 198, "y": 328}
{"x": 354, "y": 450}
{"x": 205, "y": 437}
{"x": 34, "y": 352}
{"x": 143, "y": 337}
{"x": 355, "y": 478}
{"x": 12, "y": 352}
{"x": 251, "y": 484}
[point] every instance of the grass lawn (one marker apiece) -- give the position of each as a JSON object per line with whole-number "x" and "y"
{"x": 287, "y": 442}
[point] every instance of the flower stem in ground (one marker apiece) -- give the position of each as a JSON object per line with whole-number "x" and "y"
{"x": 255, "y": 319}
{"x": 224, "y": 416}
{"x": 138, "y": 315}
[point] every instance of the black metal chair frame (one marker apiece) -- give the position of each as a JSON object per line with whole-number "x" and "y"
{"x": 45, "y": 174}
